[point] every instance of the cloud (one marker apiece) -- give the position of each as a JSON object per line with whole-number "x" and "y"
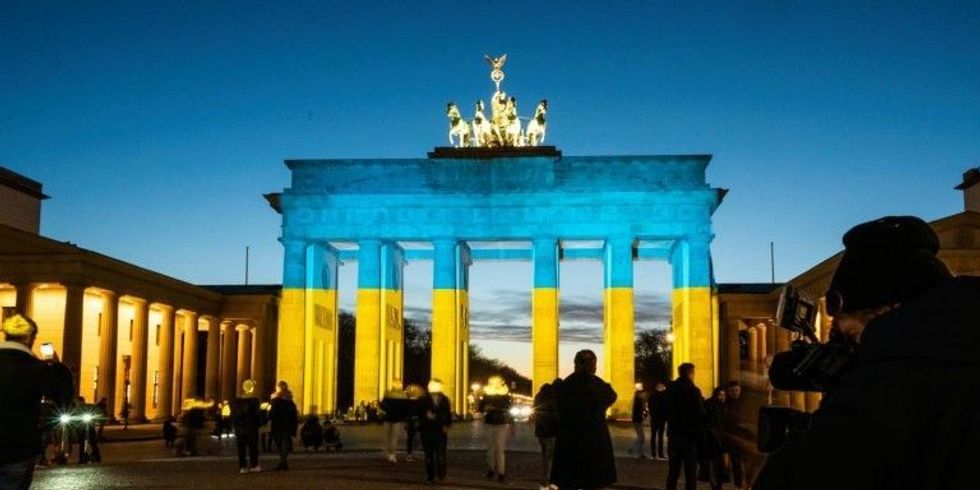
{"x": 505, "y": 315}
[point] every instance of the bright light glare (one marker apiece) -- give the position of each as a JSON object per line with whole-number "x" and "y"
{"x": 87, "y": 418}
{"x": 64, "y": 418}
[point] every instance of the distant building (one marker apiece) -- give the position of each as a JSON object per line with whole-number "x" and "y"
{"x": 126, "y": 332}
{"x": 20, "y": 201}
{"x": 748, "y": 333}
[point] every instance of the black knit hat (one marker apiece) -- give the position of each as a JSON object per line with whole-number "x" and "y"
{"x": 888, "y": 260}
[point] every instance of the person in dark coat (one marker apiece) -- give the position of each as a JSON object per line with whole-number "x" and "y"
{"x": 435, "y": 417}
{"x": 906, "y": 414}
{"x": 583, "y": 450}
{"x": 733, "y": 430}
{"x": 546, "y": 426}
{"x": 246, "y": 418}
{"x": 394, "y": 405}
{"x": 169, "y": 432}
{"x": 495, "y": 406}
{"x": 283, "y": 421}
{"x": 657, "y": 407}
{"x": 414, "y": 393}
{"x": 24, "y": 381}
{"x": 686, "y": 426}
{"x": 712, "y": 455}
{"x": 193, "y": 421}
{"x": 638, "y": 414}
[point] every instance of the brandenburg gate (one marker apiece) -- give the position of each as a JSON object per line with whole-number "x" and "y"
{"x": 462, "y": 204}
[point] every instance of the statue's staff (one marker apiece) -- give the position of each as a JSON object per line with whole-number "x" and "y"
{"x": 497, "y": 74}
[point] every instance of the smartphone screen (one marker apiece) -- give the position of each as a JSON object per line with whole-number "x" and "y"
{"x": 47, "y": 351}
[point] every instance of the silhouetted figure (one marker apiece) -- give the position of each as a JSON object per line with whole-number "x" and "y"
{"x": 247, "y": 418}
{"x": 435, "y": 417}
{"x": 546, "y": 427}
{"x": 193, "y": 422}
{"x": 732, "y": 428}
{"x": 711, "y": 452}
{"x": 414, "y": 393}
{"x": 394, "y": 405}
{"x": 102, "y": 408}
{"x": 583, "y": 451}
{"x": 331, "y": 436}
{"x": 124, "y": 413}
{"x": 311, "y": 434}
{"x": 686, "y": 426}
{"x": 24, "y": 381}
{"x": 169, "y": 432}
{"x": 283, "y": 420}
{"x": 638, "y": 414}
{"x": 495, "y": 406}
{"x": 657, "y": 407}
{"x": 906, "y": 413}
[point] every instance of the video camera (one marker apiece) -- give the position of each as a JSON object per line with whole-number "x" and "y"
{"x": 808, "y": 365}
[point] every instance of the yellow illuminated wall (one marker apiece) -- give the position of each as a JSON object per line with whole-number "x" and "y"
{"x": 619, "y": 347}
{"x": 48, "y": 307}
{"x": 153, "y": 362}
{"x": 92, "y": 316}
{"x": 695, "y": 331}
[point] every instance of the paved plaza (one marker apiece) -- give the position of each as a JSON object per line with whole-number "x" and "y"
{"x": 142, "y": 463}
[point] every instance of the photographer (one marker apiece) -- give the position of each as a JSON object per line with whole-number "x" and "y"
{"x": 909, "y": 323}
{"x": 24, "y": 381}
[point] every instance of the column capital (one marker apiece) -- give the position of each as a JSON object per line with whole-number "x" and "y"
{"x": 137, "y": 300}
{"x": 165, "y": 308}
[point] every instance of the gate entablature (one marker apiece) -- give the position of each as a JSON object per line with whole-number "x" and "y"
{"x": 572, "y": 198}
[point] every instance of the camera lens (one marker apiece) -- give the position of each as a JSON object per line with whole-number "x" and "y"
{"x": 835, "y": 302}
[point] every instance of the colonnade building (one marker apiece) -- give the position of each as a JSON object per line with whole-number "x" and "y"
{"x": 128, "y": 334}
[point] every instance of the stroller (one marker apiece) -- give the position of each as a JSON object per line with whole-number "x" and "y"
{"x": 331, "y": 436}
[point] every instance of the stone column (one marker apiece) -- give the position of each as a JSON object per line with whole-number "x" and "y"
{"x": 137, "y": 378}
{"x": 450, "y": 320}
{"x": 108, "y": 338}
{"x": 618, "y": 315}
{"x": 763, "y": 350}
{"x": 368, "y": 350}
{"x": 753, "y": 346}
{"x": 244, "y": 352}
{"x": 178, "y": 370}
{"x": 694, "y": 328}
{"x": 71, "y": 340}
{"x": 189, "y": 365}
{"x": 165, "y": 363}
{"x": 25, "y": 298}
{"x": 258, "y": 359}
{"x": 292, "y": 343}
{"x": 212, "y": 370}
{"x": 733, "y": 352}
{"x": 229, "y": 358}
{"x": 544, "y": 313}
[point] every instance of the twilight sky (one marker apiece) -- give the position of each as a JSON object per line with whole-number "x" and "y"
{"x": 156, "y": 127}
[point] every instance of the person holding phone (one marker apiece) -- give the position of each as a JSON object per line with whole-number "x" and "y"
{"x": 25, "y": 381}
